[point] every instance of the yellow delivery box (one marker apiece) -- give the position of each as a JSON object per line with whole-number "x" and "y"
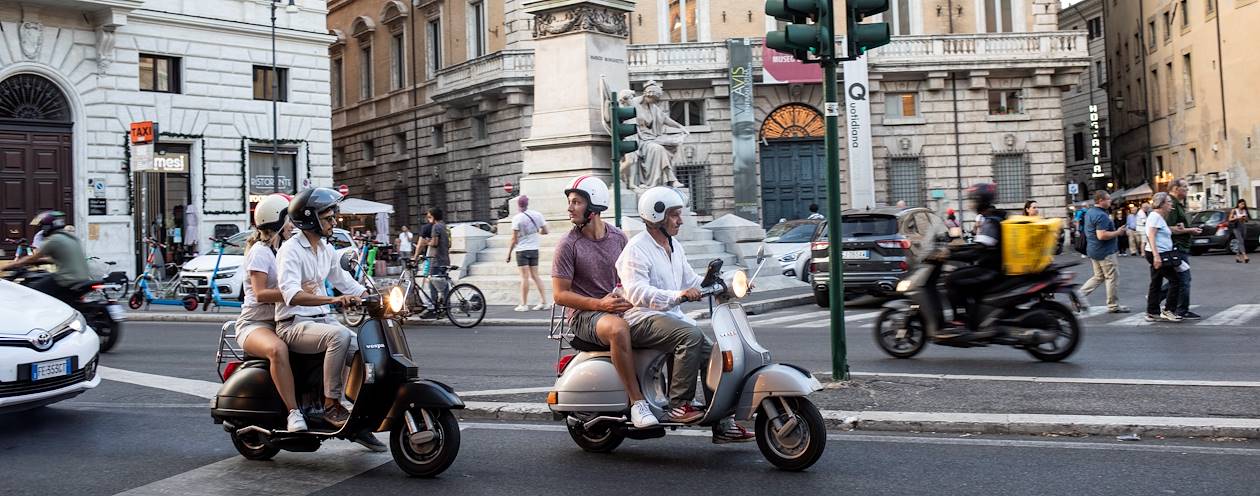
{"x": 1028, "y": 243}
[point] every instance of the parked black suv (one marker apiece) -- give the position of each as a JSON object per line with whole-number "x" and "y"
{"x": 880, "y": 246}
{"x": 1216, "y": 233}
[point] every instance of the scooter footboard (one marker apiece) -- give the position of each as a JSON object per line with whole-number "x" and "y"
{"x": 776, "y": 379}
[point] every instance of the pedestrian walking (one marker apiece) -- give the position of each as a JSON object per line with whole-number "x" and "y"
{"x": 1164, "y": 259}
{"x": 1177, "y": 221}
{"x": 813, "y": 212}
{"x": 1101, "y": 238}
{"x": 1135, "y": 239}
{"x": 1142, "y": 214}
{"x": 405, "y": 242}
{"x": 528, "y": 227}
{"x": 1238, "y": 227}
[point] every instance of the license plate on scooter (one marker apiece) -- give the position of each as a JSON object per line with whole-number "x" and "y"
{"x": 116, "y": 312}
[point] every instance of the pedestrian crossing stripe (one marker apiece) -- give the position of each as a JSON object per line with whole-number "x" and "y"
{"x": 1237, "y": 315}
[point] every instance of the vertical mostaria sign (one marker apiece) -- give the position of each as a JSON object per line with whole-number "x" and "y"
{"x": 743, "y": 129}
{"x": 857, "y": 114}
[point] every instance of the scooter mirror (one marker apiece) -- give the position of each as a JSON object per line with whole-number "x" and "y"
{"x": 347, "y": 262}
{"x": 761, "y": 254}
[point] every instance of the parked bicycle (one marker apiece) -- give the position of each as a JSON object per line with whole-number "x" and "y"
{"x": 463, "y": 303}
{"x": 114, "y": 283}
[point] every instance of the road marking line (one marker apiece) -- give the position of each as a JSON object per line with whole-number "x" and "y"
{"x": 848, "y": 319}
{"x": 899, "y": 439}
{"x": 1139, "y": 319}
{"x": 1061, "y": 380}
{"x": 288, "y": 474}
{"x": 1233, "y": 316}
{"x": 790, "y": 318}
{"x": 194, "y": 387}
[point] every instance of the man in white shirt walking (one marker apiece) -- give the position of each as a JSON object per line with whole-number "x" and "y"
{"x": 405, "y": 243}
{"x": 657, "y": 279}
{"x": 302, "y": 321}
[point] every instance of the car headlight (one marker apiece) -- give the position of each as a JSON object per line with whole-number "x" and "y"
{"x": 225, "y": 275}
{"x": 791, "y": 257}
{"x": 903, "y": 285}
{"x": 77, "y": 323}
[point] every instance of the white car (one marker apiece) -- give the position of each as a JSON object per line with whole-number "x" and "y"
{"x": 231, "y": 280}
{"x": 789, "y": 243}
{"x": 47, "y": 351}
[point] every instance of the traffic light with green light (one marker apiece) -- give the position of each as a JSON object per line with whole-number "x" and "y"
{"x": 862, "y": 37}
{"x": 622, "y": 130}
{"x": 800, "y": 37}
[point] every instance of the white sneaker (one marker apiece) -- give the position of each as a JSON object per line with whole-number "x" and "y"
{"x": 1170, "y": 317}
{"x": 542, "y": 306}
{"x": 521, "y": 308}
{"x": 296, "y": 422}
{"x": 345, "y": 403}
{"x": 641, "y": 415}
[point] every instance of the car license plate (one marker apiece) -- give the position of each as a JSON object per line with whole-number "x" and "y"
{"x": 1201, "y": 241}
{"x": 50, "y": 369}
{"x": 856, "y": 255}
{"x": 116, "y": 312}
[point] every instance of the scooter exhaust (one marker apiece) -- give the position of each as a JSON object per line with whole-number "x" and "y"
{"x": 253, "y": 428}
{"x": 590, "y": 424}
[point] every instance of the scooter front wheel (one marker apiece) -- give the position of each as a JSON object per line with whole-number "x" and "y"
{"x": 599, "y": 440}
{"x": 790, "y": 432}
{"x": 430, "y": 448}
{"x": 253, "y": 447}
{"x": 900, "y": 333}
{"x": 110, "y": 332}
{"x": 136, "y": 301}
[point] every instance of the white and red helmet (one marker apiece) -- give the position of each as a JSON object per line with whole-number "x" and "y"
{"x": 593, "y": 190}
{"x": 271, "y": 211}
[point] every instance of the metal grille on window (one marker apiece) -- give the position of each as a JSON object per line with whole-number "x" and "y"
{"x": 1010, "y": 172}
{"x": 696, "y": 179}
{"x": 905, "y": 178}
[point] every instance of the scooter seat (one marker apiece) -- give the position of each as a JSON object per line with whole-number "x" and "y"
{"x": 583, "y": 345}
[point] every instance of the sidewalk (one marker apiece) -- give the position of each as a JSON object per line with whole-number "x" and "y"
{"x": 913, "y": 404}
{"x": 496, "y": 315}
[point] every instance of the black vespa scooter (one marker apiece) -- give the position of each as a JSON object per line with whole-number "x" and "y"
{"x": 384, "y": 383}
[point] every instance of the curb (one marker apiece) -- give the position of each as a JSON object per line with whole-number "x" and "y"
{"x": 984, "y": 423}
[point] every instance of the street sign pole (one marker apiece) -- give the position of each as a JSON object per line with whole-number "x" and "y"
{"x": 835, "y": 296}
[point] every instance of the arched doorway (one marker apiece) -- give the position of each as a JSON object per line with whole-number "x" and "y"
{"x": 793, "y": 163}
{"x": 36, "y": 160}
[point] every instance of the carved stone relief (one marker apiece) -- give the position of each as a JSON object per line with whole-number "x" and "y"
{"x": 581, "y": 18}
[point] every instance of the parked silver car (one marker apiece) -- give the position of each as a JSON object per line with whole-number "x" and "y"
{"x": 788, "y": 243}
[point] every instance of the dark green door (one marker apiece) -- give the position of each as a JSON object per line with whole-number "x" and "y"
{"x": 793, "y": 175}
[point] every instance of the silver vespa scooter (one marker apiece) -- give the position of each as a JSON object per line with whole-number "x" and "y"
{"x": 740, "y": 379}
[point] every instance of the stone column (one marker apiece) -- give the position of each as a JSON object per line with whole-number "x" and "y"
{"x": 576, "y": 43}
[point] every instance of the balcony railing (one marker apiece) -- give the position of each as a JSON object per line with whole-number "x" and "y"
{"x": 507, "y": 66}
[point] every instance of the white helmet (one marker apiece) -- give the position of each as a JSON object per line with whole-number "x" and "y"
{"x": 271, "y": 211}
{"x": 655, "y": 202}
{"x": 593, "y": 190}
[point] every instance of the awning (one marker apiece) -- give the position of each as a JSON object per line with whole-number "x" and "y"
{"x": 1143, "y": 191}
{"x": 358, "y": 206}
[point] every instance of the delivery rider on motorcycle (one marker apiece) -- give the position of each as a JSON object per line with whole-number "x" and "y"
{"x": 967, "y": 284}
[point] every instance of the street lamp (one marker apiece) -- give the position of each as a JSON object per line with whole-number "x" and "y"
{"x": 291, "y": 8}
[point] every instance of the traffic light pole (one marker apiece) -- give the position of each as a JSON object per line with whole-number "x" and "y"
{"x": 616, "y": 172}
{"x": 835, "y": 295}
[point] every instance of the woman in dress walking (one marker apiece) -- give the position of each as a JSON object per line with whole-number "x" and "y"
{"x": 1238, "y": 227}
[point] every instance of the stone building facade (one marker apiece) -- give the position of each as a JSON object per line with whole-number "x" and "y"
{"x": 74, "y": 76}
{"x": 1086, "y": 107}
{"x": 977, "y": 92}
{"x": 1181, "y": 82}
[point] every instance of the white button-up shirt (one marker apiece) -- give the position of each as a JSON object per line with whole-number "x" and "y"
{"x": 304, "y": 269}
{"x": 653, "y": 280}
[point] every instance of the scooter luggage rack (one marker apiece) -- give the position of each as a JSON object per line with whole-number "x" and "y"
{"x": 559, "y": 329}
{"x": 229, "y": 350}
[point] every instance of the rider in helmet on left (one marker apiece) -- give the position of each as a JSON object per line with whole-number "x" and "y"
{"x": 63, "y": 250}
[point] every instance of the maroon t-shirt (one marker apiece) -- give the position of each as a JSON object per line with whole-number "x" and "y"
{"x": 591, "y": 265}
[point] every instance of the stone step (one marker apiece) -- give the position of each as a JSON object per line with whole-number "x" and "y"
{"x": 498, "y": 268}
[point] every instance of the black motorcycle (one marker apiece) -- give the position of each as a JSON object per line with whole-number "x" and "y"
{"x": 384, "y": 384}
{"x": 100, "y": 308}
{"x": 1024, "y": 311}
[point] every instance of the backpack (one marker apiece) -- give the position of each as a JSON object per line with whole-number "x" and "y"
{"x": 1080, "y": 244}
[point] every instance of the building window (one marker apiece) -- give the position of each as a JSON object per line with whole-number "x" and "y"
{"x": 695, "y": 177}
{"x": 997, "y": 16}
{"x": 1211, "y": 6}
{"x": 1151, "y": 39}
{"x": 1155, "y": 98}
{"x": 439, "y": 139}
{"x": 365, "y": 73}
{"x": 1167, "y": 27}
{"x": 1185, "y": 14}
{"x": 900, "y": 105}
{"x": 1159, "y": 163}
{"x": 476, "y": 29}
{"x": 400, "y": 144}
{"x": 1100, "y": 75}
{"x": 1102, "y": 139}
{"x": 682, "y": 21}
{"x": 263, "y": 81}
{"x": 688, "y": 112}
{"x": 433, "y": 45}
{"x": 1006, "y": 102}
{"x": 159, "y": 74}
{"x": 1078, "y": 146}
{"x": 900, "y": 24}
{"x": 1010, "y": 172}
{"x": 479, "y": 130}
{"x": 369, "y": 151}
{"x": 339, "y": 156}
{"x": 1194, "y": 159}
{"x": 1172, "y": 88}
{"x": 1095, "y": 27}
{"x": 338, "y": 83}
{"x": 263, "y": 179}
{"x": 397, "y": 61}
{"x": 905, "y": 180}
{"x": 1187, "y": 78}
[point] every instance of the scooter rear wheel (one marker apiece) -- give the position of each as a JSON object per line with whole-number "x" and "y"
{"x": 136, "y": 301}
{"x": 110, "y": 333}
{"x": 896, "y": 344}
{"x": 1067, "y": 335}
{"x": 252, "y": 447}
{"x": 432, "y": 458}
{"x": 190, "y": 303}
{"x": 596, "y": 441}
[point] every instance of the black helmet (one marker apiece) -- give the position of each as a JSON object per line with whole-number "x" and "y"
{"x": 306, "y": 206}
{"x": 49, "y": 221}
{"x": 983, "y": 194}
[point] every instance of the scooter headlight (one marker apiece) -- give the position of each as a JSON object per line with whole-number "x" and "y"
{"x": 739, "y": 284}
{"x": 903, "y": 285}
{"x": 396, "y": 300}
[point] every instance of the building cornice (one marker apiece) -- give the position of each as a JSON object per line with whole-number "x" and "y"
{"x": 222, "y": 25}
